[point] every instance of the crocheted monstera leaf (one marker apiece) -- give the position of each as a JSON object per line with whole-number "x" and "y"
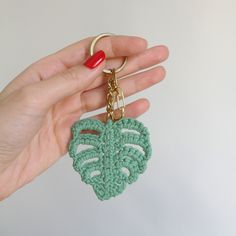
{"x": 115, "y": 154}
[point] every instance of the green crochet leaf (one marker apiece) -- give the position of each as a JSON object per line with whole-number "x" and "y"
{"x": 116, "y": 154}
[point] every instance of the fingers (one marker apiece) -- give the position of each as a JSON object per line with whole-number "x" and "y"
{"x": 74, "y": 54}
{"x": 141, "y": 61}
{"x": 96, "y": 98}
{"x": 148, "y": 58}
{"x": 132, "y": 110}
{"x": 114, "y": 46}
{"x": 45, "y": 93}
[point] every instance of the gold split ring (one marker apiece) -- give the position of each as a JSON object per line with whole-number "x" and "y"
{"x": 91, "y": 51}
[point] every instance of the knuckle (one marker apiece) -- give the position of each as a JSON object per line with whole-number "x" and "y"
{"x": 28, "y": 97}
{"x": 70, "y": 74}
{"x": 25, "y": 95}
{"x": 84, "y": 106}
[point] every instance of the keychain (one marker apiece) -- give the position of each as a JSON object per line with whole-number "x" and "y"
{"x": 116, "y": 151}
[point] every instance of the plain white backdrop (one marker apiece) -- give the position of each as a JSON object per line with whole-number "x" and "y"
{"x": 189, "y": 186}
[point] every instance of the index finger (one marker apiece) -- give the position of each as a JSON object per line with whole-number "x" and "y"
{"x": 113, "y": 46}
{"x": 74, "y": 54}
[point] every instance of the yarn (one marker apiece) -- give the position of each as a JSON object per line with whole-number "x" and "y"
{"x": 117, "y": 153}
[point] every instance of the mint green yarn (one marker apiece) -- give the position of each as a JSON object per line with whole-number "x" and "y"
{"x": 117, "y": 154}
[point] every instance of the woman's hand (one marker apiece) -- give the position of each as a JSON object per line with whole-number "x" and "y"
{"x": 38, "y": 108}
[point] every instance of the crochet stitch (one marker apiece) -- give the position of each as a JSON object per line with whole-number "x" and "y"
{"x": 117, "y": 152}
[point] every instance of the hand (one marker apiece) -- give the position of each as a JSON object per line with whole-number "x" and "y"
{"x": 38, "y": 107}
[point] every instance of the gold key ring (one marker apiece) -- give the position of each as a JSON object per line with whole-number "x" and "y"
{"x": 91, "y": 51}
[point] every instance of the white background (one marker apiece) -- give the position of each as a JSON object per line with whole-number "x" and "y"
{"x": 189, "y": 186}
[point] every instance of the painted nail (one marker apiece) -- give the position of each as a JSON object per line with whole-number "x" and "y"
{"x": 95, "y": 60}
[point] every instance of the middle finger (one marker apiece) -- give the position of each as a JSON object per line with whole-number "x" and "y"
{"x": 135, "y": 63}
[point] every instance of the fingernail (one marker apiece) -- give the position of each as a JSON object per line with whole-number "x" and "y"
{"x": 95, "y": 60}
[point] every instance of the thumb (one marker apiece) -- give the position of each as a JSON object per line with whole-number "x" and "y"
{"x": 74, "y": 79}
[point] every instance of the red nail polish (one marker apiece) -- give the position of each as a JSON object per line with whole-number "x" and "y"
{"x": 95, "y": 60}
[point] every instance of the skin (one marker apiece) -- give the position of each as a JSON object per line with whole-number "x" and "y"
{"x": 39, "y": 106}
